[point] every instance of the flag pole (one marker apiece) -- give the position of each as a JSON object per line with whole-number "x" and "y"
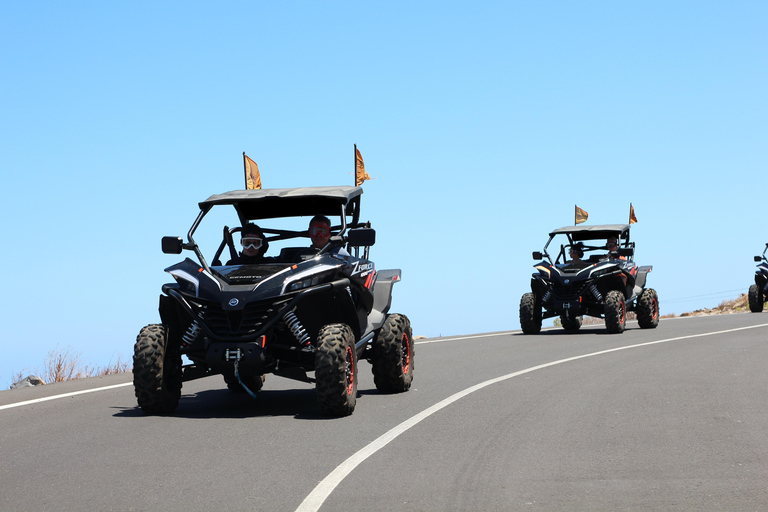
{"x": 575, "y": 214}
{"x": 354, "y": 157}
{"x": 245, "y": 172}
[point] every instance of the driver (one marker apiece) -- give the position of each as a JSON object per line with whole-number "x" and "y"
{"x": 254, "y": 246}
{"x": 320, "y": 234}
{"x": 612, "y": 244}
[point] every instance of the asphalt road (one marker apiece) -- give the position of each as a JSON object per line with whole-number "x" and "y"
{"x": 674, "y": 418}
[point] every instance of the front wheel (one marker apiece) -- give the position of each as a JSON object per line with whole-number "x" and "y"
{"x": 392, "y": 360}
{"x": 755, "y": 297}
{"x": 648, "y": 309}
{"x": 156, "y": 371}
{"x": 530, "y": 314}
{"x": 615, "y": 312}
{"x": 336, "y": 370}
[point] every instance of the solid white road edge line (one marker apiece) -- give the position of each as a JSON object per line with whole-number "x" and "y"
{"x": 65, "y": 395}
{"x": 320, "y": 493}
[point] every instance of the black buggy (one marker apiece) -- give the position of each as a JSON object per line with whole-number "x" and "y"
{"x": 601, "y": 284}
{"x": 758, "y": 291}
{"x": 302, "y": 312}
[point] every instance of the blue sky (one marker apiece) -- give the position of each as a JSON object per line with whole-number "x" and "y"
{"x": 484, "y": 123}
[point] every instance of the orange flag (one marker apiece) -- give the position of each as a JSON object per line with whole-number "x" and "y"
{"x": 581, "y": 215}
{"x": 360, "y": 174}
{"x": 632, "y": 218}
{"x": 252, "y": 176}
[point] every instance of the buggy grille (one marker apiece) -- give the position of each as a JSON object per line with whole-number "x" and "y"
{"x": 252, "y": 318}
{"x": 568, "y": 292}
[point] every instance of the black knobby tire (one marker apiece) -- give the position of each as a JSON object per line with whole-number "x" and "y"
{"x": 570, "y": 324}
{"x": 336, "y": 370}
{"x": 254, "y": 383}
{"x": 156, "y": 371}
{"x": 648, "y": 309}
{"x": 755, "y": 297}
{"x": 392, "y": 359}
{"x": 615, "y": 312}
{"x": 530, "y": 314}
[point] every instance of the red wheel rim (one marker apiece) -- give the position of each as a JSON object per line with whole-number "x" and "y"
{"x": 406, "y": 353}
{"x": 350, "y": 371}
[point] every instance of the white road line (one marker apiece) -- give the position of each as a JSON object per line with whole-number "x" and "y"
{"x": 456, "y": 338}
{"x": 320, "y": 493}
{"x": 65, "y": 395}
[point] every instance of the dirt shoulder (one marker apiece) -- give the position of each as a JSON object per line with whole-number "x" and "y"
{"x": 739, "y": 305}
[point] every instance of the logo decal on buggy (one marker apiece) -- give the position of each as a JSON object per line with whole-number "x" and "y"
{"x": 233, "y": 302}
{"x": 362, "y": 268}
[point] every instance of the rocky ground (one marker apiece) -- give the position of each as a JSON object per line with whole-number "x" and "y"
{"x": 727, "y": 307}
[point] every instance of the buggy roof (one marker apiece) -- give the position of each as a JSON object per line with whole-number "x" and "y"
{"x": 274, "y": 203}
{"x": 578, "y": 233}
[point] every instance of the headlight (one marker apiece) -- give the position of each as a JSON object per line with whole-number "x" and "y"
{"x": 307, "y": 282}
{"x": 602, "y": 272}
{"x": 186, "y": 281}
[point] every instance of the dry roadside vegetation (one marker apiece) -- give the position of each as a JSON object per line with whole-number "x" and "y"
{"x": 63, "y": 365}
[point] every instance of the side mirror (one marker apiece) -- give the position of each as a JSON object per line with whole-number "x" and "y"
{"x": 172, "y": 244}
{"x": 627, "y": 251}
{"x": 361, "y": 237}
{"x": 758, "y": 258}
{"x": 537, "y": 255}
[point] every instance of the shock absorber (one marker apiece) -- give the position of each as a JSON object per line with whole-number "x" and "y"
{"x": 298, "y": 330}
{"x": 546, "y": 297}
{"x": 596, "y": 293}
{"x": 192, "y": 331}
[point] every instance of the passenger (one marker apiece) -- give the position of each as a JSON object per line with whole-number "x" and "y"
{"x": 576, "y": 252}
{"x": 254, "y": 246}
{"x": 320, "y": 234}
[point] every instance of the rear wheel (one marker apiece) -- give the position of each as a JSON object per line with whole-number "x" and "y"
{"x": 755, "y": 297}
{"x": 336, "y": 370}
{"x": 570, "y": 324}
{"x": 530, "y": 314}
{"x": 156, "y": 371}
{"x": 648, "y": 309}
{"x": 392, "y": 360}
{"x": 615, "y": 312}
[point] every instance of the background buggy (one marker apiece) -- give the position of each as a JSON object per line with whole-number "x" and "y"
{"x": 758, "y": 291}
{"x": 602, "y": 285}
